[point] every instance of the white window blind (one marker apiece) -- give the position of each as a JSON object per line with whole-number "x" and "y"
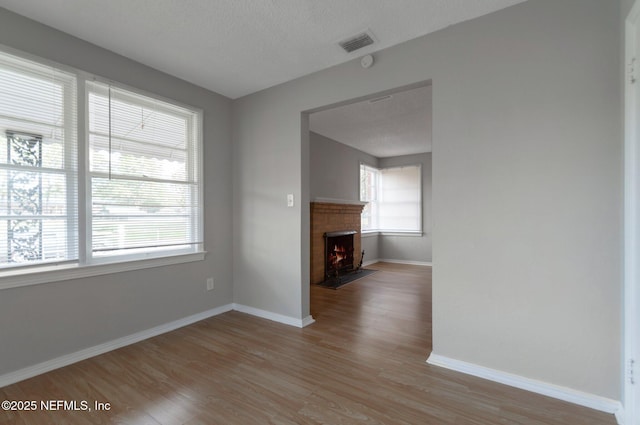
{"x": 144, "y": 175}
{"x": 400, "y": 199}
{"x": 38, "y": 157}
{"x": 394, "y": 198}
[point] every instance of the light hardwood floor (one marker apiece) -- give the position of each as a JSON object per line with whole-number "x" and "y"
{"x": 362, "y": 362}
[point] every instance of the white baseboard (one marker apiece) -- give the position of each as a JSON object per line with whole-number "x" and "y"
{"x": 621, "y": 415}
{"x": 387, "y": 260}
{"x": 49, "y": 365}
{"x": 287, "y": 320}
{"x": 307, "y": 321}
{"x": 551, "y": 390}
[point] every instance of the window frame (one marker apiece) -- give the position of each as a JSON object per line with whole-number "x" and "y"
{"x": 393, "y": 232}
{"x": 67, "y": 78}
{"x": 84, "y": 265}
{"x": 198, "y": 177}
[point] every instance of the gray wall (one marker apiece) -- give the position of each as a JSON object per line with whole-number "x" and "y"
{"x": 46, "y": 321}
{"x": 625, "y": 8}
{"x": 335, "y": 168}
{"x": 411, "y": 248}
{"x": 371, "y": 248}
{"x": 334, "y": 172}
{"x": 527, "y": 187}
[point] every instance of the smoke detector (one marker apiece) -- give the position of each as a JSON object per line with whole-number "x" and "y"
{"x": 358, "y": 41}
{"x": 366, "y": 61}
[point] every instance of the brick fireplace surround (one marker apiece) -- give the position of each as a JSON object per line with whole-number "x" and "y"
{"x": 332, "y": 217}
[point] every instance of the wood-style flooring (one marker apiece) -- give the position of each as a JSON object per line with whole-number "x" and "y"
{"x": 362, "y": 362}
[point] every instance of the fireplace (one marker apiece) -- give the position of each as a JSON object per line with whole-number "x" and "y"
{"x": 339, "y": 250}
{"x": 328, "y": 218}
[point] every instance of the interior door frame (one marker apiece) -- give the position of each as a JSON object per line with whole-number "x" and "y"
{"x": 631, "y": 398}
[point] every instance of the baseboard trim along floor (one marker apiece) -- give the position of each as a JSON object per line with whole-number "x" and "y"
{"x": 280, "y": 318}
{"x": 67, "y": 359}
{"x": 387, "y": 260}
{"x": 562, "y": 393}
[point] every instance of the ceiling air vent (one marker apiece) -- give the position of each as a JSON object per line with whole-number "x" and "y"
{"x": 357, "y": 42}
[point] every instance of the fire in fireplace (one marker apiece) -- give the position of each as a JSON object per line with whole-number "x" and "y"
{"x": 338, "y": 252}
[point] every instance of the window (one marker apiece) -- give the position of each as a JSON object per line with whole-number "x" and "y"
{"x": 369, "y": 185}
{"x": 394, "y": 198}
{"x": 38, "y": 201}
{"x": 143, "y": 174}
{"x": 137, "y": 195}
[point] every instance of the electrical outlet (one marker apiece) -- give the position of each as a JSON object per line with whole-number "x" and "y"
{"x": 210, "y": 284}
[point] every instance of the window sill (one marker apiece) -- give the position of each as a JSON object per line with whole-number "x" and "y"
{"x": 410, "y": 234}
{"x": 56, "y": 273}
{"x": 369, "y": 233}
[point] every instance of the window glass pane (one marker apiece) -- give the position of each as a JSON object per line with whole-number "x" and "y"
{"x": 55, "y": 239}
{"x": 26, "y": 96}
{"x": 136, "y": 159}
{"x": 138, "y": 214}
{"x": 136, "y": 118}
{"x": 4, "y": 243}
{"x": 28, "y": 193}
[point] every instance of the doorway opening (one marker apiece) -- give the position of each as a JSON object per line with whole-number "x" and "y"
{"x": 385, "y": 131}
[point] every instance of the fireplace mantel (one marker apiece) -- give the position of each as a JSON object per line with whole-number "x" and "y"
{"x": 337, "y": 201}
{"x": 344, "y": 233}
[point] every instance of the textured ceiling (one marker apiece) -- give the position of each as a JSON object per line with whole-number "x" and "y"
{"x": 237, "y": 47}
{"x": 391, "y": 126}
